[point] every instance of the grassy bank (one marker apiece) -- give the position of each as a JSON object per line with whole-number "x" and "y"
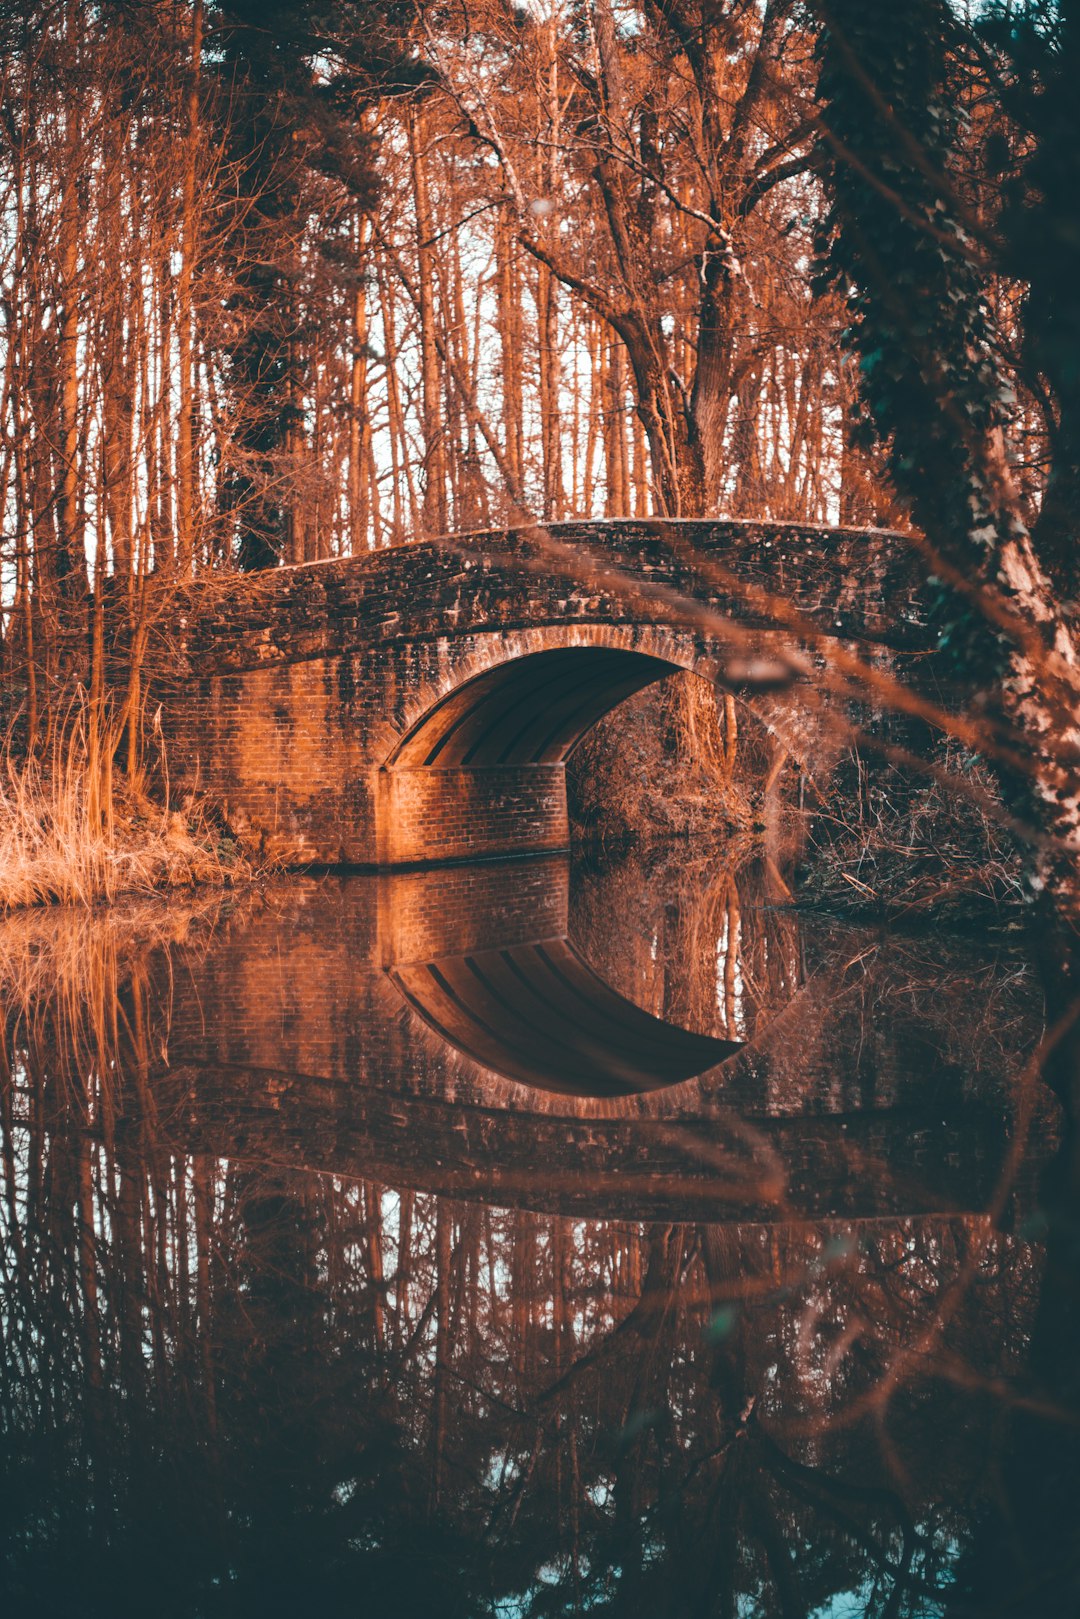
{"x": 68, "y": 834}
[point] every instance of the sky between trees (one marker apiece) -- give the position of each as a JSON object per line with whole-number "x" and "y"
{"x": 290, "y": 280}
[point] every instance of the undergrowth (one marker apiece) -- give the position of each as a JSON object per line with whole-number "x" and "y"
{"x": 938, "y": 846}
{"x": 653, "y": 771}
{"x": 66, "y": 837}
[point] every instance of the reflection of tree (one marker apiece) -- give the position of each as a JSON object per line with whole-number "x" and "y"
{"x": 720, "y": 955}
{"x": 1025, "y": 1555}
{"x": 304, "y": 1388}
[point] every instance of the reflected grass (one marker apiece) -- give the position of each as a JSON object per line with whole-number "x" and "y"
{"x": 68, "y": 974}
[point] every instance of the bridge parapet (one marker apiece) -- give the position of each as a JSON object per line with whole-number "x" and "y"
{"x": 861, "y": 584}
{"x": 327, "y": 706}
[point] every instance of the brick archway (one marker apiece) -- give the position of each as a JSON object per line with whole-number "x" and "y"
{"x": 478, "y": 768}
{"x": 481, "y": 771}
{"x": 319, "y": 705}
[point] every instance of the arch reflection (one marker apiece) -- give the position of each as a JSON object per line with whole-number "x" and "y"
{"x": 275, "y": 1332}
{"x": 538, "y": 1013}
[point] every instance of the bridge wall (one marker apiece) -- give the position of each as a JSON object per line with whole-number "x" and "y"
{"x": 289, "y": 696}
{"x": 300, "y": 755}
{"x": 436, "y": 815}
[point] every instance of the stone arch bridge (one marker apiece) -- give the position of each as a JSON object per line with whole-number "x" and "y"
{"x": 419, "y": 704}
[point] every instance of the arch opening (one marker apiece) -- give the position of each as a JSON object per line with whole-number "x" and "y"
{"x": 482, "y": 773}
{"x": 530, "y": 710}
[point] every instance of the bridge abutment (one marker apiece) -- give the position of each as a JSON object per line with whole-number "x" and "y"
{"x": 428, "y": 816}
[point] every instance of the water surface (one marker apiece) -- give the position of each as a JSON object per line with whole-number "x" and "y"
{"x": 521, "y": 1241}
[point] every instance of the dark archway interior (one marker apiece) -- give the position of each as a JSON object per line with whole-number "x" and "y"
{"x": 530, "y": 710}
{"x": 538, "y": 1013}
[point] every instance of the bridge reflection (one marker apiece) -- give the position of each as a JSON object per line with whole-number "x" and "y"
{"x": 528, "y": 1005}
{"x": 430, "y": 1029}
{"x": 281, "y": 1322}
{"x": 538, "y": 1013}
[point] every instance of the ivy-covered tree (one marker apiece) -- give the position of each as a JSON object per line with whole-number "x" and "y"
{"x": 915, "y": 261}
{"x": 1034, "y": 53}
{"x": 298, "y": 74}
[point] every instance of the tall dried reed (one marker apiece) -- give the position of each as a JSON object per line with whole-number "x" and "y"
{"x": 69, "y": 835}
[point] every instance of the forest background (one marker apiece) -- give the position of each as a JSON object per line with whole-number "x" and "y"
{"x": 283, "y": 281}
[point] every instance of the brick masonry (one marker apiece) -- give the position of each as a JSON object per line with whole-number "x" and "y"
{"x": 290, "y": 697}
{"x": 436, "y": 815}
{"x": 308, "y": 1056}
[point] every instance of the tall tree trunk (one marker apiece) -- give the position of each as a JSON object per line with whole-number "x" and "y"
{"x": 359, "y": 418}
{"x": 185, "y": 314}
{"x": 401, "y": 459}
{"x": 547, "y": 337}
{"x": 434, "y": 509}
{"x": 70, "y": 556}
{"x": 618, "y": 503}
{"x": 508, "y": 271}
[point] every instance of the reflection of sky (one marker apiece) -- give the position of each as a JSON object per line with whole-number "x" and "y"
{"x": 844, "y": 1605}
{"x": 513, "y": 1607}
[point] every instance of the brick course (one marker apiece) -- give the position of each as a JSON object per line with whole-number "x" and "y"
{"x": 289, "y": 696}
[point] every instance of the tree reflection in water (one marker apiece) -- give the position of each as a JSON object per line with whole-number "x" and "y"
{"x": 239, "y": 1379}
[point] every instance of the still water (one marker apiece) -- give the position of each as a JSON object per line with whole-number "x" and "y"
{"x": 524, "y": 1241}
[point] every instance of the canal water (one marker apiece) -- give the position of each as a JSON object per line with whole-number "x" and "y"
{"x": 529, "y": 1240}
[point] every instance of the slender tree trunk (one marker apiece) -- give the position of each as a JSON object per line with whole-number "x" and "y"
{"x": 400, "y": 457}
{"x": 359, "y": 419}
{"x": 510, "y": 344}
{"x": 618, "y": 503}
{"x": 185, "y": 314}
{"x": 434, "y": 511}
{"x": 594, "y": 434}
{"x": 70, "y": 558}
{"x": 550, "y": 384}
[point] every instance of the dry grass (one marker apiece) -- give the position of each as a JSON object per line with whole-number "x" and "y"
{"x": 65, "y": 839}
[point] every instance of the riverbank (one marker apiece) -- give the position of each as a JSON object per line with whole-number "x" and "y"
{"x": 936, "y": 848}
{"x": 65, "y": 840}
{"x": 868, "y": 839}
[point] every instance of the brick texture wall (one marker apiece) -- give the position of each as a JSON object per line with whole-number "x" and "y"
{"x": 286, "y": 696}
{"x": 433, "y": 815}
